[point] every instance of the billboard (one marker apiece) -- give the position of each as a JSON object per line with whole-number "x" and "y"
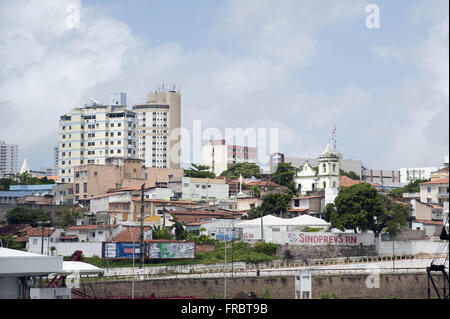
{"x": 170, "y": 250}
{"x": 152, "y": 250}
{"x": 121, "y": 250}
{"x": 322, "y": 238}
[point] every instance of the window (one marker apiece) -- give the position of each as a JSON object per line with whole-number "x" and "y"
{"x": 429, "y": 189}
{"x": 296, "y": 203}
{"x": 84, "y": 187}
{"x": 334, "y": 167}
{"x": 324, "y": 168}
{"x": 34, "y": 241}
{"x": 77, "y": 188}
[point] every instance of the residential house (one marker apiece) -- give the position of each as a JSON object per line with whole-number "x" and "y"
{"x": 435, "y": 191}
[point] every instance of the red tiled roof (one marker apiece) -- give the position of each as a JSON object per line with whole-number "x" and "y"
{"x": 347, "y": 181}
{"x": 14, "y": 229}
{"x": 433, "y": 222}
{"x": 263, "y": 184}
{"x": 437, "y": 181}
{"x": 130, "y": 236}
{"x": 35, "y": 232}
{"x": 54, "y": 178}
{"x": 442, "y": 170}
{"x": 200, "y": 212}
{"x": 69, "y": 237}
{"x": 82, "y": 227}
{"x": 309, "y": 197}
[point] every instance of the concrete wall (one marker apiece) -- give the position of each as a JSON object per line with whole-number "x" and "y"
{"x": 318, "y": 252}
{"x": 404, "y": 286}
{"x": 409, "y": 247}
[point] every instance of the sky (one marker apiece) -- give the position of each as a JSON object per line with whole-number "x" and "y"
{"x": 297, "y": 66}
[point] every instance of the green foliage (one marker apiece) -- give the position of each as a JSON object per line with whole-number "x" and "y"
{"x": 412, "y": 187}
{"x": 266, "y": 293}
{"x": 285, "y": 175}
{"x": 361, "y": 206}
{"x": 266, "y": 248}
{"x": 70, "y": 216}
{"x": 312, "y": 229}
{"x": 255, "y": 191}
{"x": 275, "y": 203}
{"x": 23, "y": 179}
{"x": 350, "y": 174}
{"x": 161, "y": 233}
{"x": 199, "y": 171}
{"x": 247, "y": 170}
{"x": 8, "y": 242}
{"x": 200, "y": 240}
{"x": 20, "y": 215}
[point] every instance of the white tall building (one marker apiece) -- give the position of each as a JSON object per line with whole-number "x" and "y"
{"x": 158, "y": 140}
{"x": 91, "y": 134}
{"x": 9, "y": 157}
{"x": 408, "y": 175}
{"x": 219, "y": 155}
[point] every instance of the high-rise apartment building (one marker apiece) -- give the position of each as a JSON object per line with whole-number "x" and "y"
{"x": 158, "y": 142}
{"x": 219, "y": 156}
{"x": 9, "y": 157}
{"x": 91, "y": 134}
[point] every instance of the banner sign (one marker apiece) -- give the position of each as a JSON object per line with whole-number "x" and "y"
{"x": 171, "y": 250}
{"x": 321, "y": 238}
{"x": 121, "y": 250}
{"x": 152, "y": 250}
{"x": 251, "y": 233}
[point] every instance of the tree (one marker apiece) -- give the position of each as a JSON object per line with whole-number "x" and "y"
{"x": 362, "y": 207}
{"x": 247, "y": 170}
{"x": 20, "y": 215}
{"x": 69, "y": 217}
{"x": 412, "y": 187}
{"x": 275, "y": 203}
{"x": 285, "y": 175}
{"x": 350, "y": 174}
{"x": 199, "y": 171}
{"x": 161, "y": 233}
{"x": 255, "y": 191}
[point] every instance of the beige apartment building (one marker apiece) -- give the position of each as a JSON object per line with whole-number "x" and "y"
{"x": 91, "y": 134}
{"x": 434, "y": 192}
{"x": 118, "y": 173}
{"x": 158, "y": 139}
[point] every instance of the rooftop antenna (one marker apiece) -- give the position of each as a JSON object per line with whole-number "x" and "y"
{"x": 333, "y": 136}
{"x": 94, "y": 101}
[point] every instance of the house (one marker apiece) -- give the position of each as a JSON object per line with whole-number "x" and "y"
{"x": 88, "y": 233}
{"x": 435, "y": 191}
{"x": 40, "y": 240}
{"x": 313, "y": 205}
{"x": 132, "y": 234}
{"x": 195, "y": 189}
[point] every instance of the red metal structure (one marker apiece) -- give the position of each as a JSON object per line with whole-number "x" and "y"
{"x": 57, "y": 281}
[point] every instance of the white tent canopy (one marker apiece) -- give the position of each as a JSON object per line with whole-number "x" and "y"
{"x": 273, "y": 221}
{"x": 79, "y": 267}
{"x": 307, "y": 220}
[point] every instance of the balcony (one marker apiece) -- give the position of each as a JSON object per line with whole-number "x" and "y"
{"x": 442, "y": 195}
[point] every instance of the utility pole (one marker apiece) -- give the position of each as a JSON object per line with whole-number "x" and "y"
{"x": 141, "y": 237}
{"x": 262, "y": 227}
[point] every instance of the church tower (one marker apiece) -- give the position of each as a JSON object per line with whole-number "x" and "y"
{"x": 329, "y": 165}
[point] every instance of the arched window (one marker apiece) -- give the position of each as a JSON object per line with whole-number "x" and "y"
{"x": 334, "y": 168}
{"x": 334, "y": 184}
{"x": 324, "y": 184}
{"x": 324, "y": 168}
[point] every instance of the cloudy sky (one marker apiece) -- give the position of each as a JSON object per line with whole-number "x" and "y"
{"x": 297, "y": 66}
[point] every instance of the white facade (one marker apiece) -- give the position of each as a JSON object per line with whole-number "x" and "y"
{"x": 91, "y": 134}
{"x": 204, "y": 188}
{"x": 9, "y": 157}
{"x": 328, "y": 175}
{"x": 158, "y": 135}
{"x": 408, "y": 175}
{"x": 219, "y": 156}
